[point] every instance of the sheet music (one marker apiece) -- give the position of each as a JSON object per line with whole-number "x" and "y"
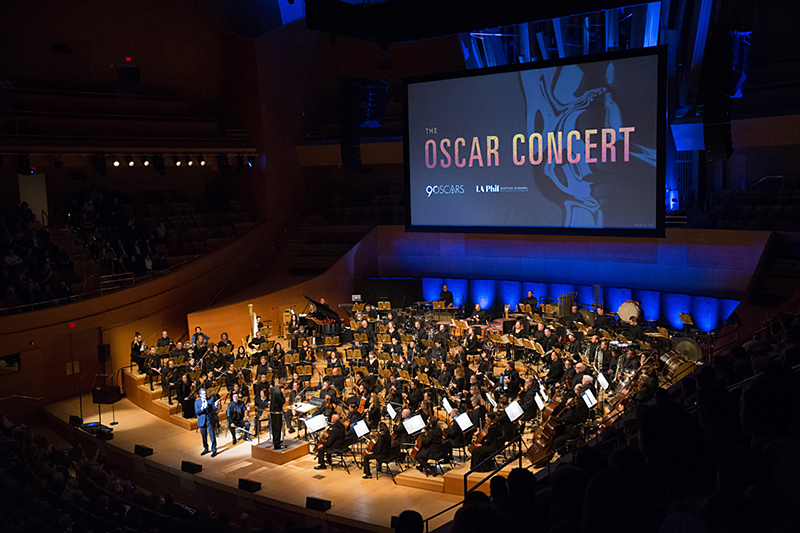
{"x": 601, "y": 379}
{"x": 539, "y": 401}
{"x": 463, "y": 421}
{"x": 589, "y": 399}
{"x": 446, "y": 405}
{"x": 514, "y": 410}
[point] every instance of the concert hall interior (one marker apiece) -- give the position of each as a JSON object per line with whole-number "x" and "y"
{"x": 399, "y": 265}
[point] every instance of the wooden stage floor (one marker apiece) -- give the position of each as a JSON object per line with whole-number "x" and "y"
{"x": 366, "y": 504}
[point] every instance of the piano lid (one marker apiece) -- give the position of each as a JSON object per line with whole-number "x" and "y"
{"x": 323, "y": 309}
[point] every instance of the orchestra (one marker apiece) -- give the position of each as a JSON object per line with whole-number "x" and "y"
{"x": 423, "y": 368}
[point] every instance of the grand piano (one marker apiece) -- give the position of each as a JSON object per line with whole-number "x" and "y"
{"x": 322, "y": 319}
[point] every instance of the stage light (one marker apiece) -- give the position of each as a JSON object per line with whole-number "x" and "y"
{"x": 130, "y": 161}
{"x": 247, "y": 161}
{"x": 176, "y": 160}
{"x": 24, "y": 166}
{"x": 99, "y": 161}
{"x": 189, "y": 161}
{"x": 201, "y": 160}
{"x": 115, "y": 160}
{"x": 145, "y": 161}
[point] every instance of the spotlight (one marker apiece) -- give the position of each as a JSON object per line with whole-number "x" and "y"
{"x": 201, "y": 160}
{"x": 115, "y": 160}
{"x": 145, "y": 161}
{"x": 99, "y": 161}
{"x": 189, "y": 161}
{"x": 176, "y": 160}
{"x": 24, "y": 166}
{"x": 158, "y": 164}
{"x": 130, "y": 161}
{"x": 247, "y": 160}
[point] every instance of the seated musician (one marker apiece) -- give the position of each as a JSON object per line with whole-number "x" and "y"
{"x": 362, "y": 350}
{"x": 262, "y": 407}
{"x": 137, "y": 352}
{"x": 587, "y": 382}
{"x": 635, "y": 331}
{"x": 337, "y": 379}
{"x": 471, "y": 342}
{"x": 631, "y": 362}
{"x": 185, "y": 389}
{"x": 573, "y": 413}
{"x": 528, "y": 400}
{"x": 294, "y": 324}
{"x": 295, "y": 395}
{"x": 396, "y": 348}
{"x": 334, "y": 443}
{"x": 307, "y": 354}
{"x": 600, "y": 318}
{"x": 278, "y": 360}
{"x": 179, "y": 350}
{"x": 231, "y": 377}
{"x": 431, "y": 445}
{"x": 573, "y": 317}
{"x": 538, "y": 335}
{"x": 453, "y": 436}
{"x": 353, "y": 416}
{"x": 200, "y": 349}
{"x": 380, "y": 451}
{"x": 170, "y": 378}
{"x": 556, "y": 372}
{"x": 373, "y": 364}
{"x": 442, "y": 334}
{"x": 530, "y": 300}
{"x": 256, "y": 342}
{"x": 508, "y": 382}
{"x": 478, "y": 412}
{"x": 237, "y": 417}
{"x": 197, "y": 334}
{"x": 224, "y": 341}
{"x": 153, "y": 365}
{"x": 263, "y": 384}
{"x": 191, "y": 365}
{"x": 333, "y": 360}
{"x": 492, "y": 442}
{"x": 374, "y": 413}
{"x": 392, "y": 331}
{"x": 263, "y": 367}
{"x": 366, "y": 329}
{"x": 438, "y": 352}
{"x": 573, "y": 346}
{"x": 243, "y": 391}
{"x": 414, "y": 395}
{"x": 486, "y": 364}
{"x": 647, "y": 388}
{"x": 329, "y": 395}
{"x": 394, "y": 391}
{"x": 416, "y": 349}
{"x": 591, "y": 349}
{"x": 409, "y": 364}
{"x": 580, "y": 371}
{"x": 569, "y": 373}
{"x": 164, "y": 340}
{"x": 418, "y": 332}
{"x": 549, "y": 341}
{"x": 209, "y": 382}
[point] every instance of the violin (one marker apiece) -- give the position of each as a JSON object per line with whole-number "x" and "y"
{"x": 362, "y": 405}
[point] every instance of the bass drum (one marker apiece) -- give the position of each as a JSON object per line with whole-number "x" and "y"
{"x": 588, "y": 317}
{"x": 629, "y": 310}
{"x": 675, "y": 366}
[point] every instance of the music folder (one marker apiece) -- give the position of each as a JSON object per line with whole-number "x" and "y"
{"x": 539, "y": 401}
{"x": 390, "y": 410}
{"x": 589, "y": 399}
{"x": 315, "y": 423}
{"x": 463, "y": 421}
{"x": 601, "y": 379}
{"x": 514, "y": 410}
{"x": 414, "y": 424}
{"x": 360, "y": 428}
{"x": 446, "y": 405}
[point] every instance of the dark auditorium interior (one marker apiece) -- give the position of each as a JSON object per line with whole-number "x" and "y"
{"x": 217, "y": 226}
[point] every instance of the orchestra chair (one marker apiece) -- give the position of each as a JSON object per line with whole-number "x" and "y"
{"x": 443, "y": 459}
{"x": 393, "y": 458}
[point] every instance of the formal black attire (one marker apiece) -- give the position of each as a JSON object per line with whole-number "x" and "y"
{"x": 185, "y": 391}
{"x": 380, "y": 452}
{"x": 415, "y": 397}
{"x": 431, "y": 446}
{"x": 333, "y": 444}
{"x": 276, "y": 401}
{"x": 446, "y": 297}
{"x": 492, "y": 442}
{"x": 472, "y": 345}
{"x": 530, "y": 300}
{"x": 528, "y": 403}
{"x": 600, "y": 321}
{"x": 570, "y": 419}
{"x": 235, "y": 417}
{"x": 555, "y": 373}
{"x": 137, "y": 356}
{"x": 262, "y": 406}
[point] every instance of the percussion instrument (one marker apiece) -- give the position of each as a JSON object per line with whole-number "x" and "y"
{"x": 689, "y": 348}
{"x": 588, "y": 317}
{"x": 675, "y": 366}
{"x": 628, "y": 310}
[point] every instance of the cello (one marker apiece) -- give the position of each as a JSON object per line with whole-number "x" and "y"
{"x": 542, "y": 449}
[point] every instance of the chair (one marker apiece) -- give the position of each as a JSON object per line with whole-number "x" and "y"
{"x": 444, "y": 458}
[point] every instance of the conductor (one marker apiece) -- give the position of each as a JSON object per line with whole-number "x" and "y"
{"x": 276, "y": 402}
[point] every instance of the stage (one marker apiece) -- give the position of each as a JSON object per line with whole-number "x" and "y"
{"x": 356, "y": 504}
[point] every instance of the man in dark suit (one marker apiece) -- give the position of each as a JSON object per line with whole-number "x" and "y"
{"x": 206, "y": 409}
{"x": 446, "y": 296}
{"x": 530, "y": 300}
{"x": 528, "y": 400}
{"x": 334, "y": 443}
{"x": 276, "y": 402}
{"x": 556, "y": 371}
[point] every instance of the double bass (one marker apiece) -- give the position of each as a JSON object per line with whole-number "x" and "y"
{"x": 542, "y": 448}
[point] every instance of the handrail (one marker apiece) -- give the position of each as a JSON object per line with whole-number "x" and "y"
{"x": 518, "y": 455}
{"x": 45, "y": 216}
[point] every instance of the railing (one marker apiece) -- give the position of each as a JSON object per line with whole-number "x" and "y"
{"x": 517, "y": 456}
{"x": 45, "y": 219}
{"x": 114, "y": 282}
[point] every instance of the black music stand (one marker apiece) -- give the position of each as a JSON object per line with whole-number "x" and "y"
{"x": 105, "y": 395}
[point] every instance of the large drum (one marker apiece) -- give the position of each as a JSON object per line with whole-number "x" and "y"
{"x": 588, "y": 317}
{"x": 629, "y": 310}
{"x": 675, "y": 366}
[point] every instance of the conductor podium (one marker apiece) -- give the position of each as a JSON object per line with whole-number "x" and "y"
{"x": 292, "y": 449}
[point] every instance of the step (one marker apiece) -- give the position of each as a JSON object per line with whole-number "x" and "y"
{"x": 418, "y": 480}
{"x": 168, "y": 410}
{"x": 185, "y": 423}
{"x": 153, "y": 395}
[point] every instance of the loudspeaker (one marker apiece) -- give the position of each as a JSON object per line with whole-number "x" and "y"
{"x": 75, "y": 420}
{"x": 142, "y": 451}
{"x": 249, "y": 485}
{"x": 317, "y": 504}
{"x": 394, "y": 522}
{"x": 104, "y": 353}
{"x": 104, "y": 435}
{"x": 190, "y": 467}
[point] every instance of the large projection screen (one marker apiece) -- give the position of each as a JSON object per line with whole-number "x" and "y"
{"x": 558, "y": 147}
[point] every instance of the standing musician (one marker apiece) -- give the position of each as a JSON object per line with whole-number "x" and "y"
{"x": 380, "y": 451}
{"x": 446, "y": 296}
{"x": 153, "y": 365}
{"x": 237, "y": 417}
{"x": 262, "y": 406}
{"x": 334, "y": 443}
{"x": 206, "y": 409}
{"x": 138, "y": 347}
{"x": 169, "y": 379}
{"x": 185, "y": 390}
{"x": 276, "y": 402}
{"x": 431, "y": 445}
{"x": 530, "y": 300}
{"x": 491, "y": 442}
{"x": 164, "y": 340}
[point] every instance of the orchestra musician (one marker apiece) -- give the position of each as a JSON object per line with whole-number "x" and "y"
{"x": 478, "y": 413}
{"x": 573, "y": 412}
{"x": 366, "y": 329}
{"x": 392, "y": 331}
{"x": 278, "y": 360}
{"x": 263, "y": 367}
{"x": 200, "y": 349}
{"x": 549, "y": 341}
{"x": 224, "y": 341}
{"x": 438, "y": 352}
{"x": 374, "y": 415}
{"x": 395, "y": 391}
{"x": 295, "y": 395}
{"x": 334, "y": 443}
{"x": 307, "y": 353}
{"x": 237, "y": 413}
{"x": 574, "y": 345}
{"x": 446, "y": 296}
{"x": 530, "y": 300}
{"x": 414, "y": 395}
{"x": 538, "y": 335}
{"x": 381, "y": 451}
{"x": 153, "y": 365}
{"x": 185, "y": 390}
{"x": 418, "y": 332}
{"x": 631, "y": 362}
{"x": 328, "y": 395}
{"x": 210, "y": 381}
{"x": 337, "y": 379}
{"x": 276, "y": 402}
{"x": 396, "y": 348}
{"x": 491, "y": 442}
{"x": 431, "y": 445}
{"x": 508, "y": 382}
{"x": 206, "y": 409}
{"x": 138, "y": 347}
{"x": 528, "y": 400}
{"x": 262, "y": 406}
{"x": 256, "y": 342}
{"x": 556, "y": 371}
{"x": 635, "y": 331}
{"x": 263, "y": 384}
{"x": 169, "y": 379}
{"x": 591, "y": 349}
{"x": 471, "y": 343}
{"x": 573, "y": 317}
{"x": 478, "y": 315}
{"x": 164, "y": 340}
{"x": 580, "y": 371}
{"x": 197, "y": 334}
{"x": 518, "y": 332}
{"x": 600, "y": 318}
{"x": 453, "y": 436}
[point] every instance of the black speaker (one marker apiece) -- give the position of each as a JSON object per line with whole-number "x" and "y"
{"x": 190, "y": 467}
{"x": 142, "y": 451}
{"x": 394, "y": 522}
{"x": 104, "y": 353}
{"x": 75, "y": 420}
{"x": 104, "y": 434}
{"x": 249, "y": 485}
{"x": 317, "y": 504}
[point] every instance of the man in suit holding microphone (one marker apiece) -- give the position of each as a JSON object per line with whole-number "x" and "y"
{"x": 206, "y": 410}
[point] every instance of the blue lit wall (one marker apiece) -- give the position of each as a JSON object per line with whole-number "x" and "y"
{"x": 483, "y": 293}
{"x": 492, "y": 295}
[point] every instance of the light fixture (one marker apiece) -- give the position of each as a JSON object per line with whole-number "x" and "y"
{"x": 176, "y": 160}
{"x": 247, "y": 160}
{"x": 201, "y": 160}
{"x": 115, "y": 160}
{"x": 130, "y": 161}
{"x": 189, "y": 161}
{"x": 145, "y": 161}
